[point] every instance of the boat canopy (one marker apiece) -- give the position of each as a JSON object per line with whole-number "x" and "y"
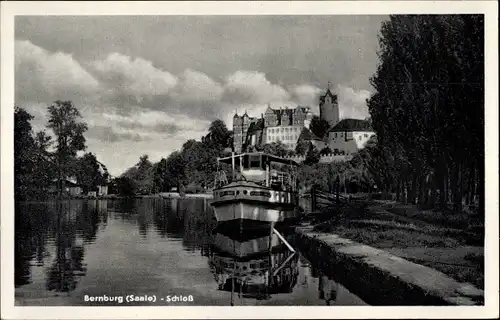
{"x": 270, "y": 158}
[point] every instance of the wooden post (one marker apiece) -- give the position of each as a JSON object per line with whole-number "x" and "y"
{"x": 233, "y": 165}
{"x": 270, "y": 280}
{"x": 313, "y": 198}
{"x": 338, "y": 188}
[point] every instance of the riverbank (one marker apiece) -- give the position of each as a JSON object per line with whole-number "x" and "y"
{"x": 187, "y": 195}
{"x": 396, "y": 240}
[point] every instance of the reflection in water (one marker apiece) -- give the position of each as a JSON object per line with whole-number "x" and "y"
{"x": 70, "y": 225}
{"x": 328, "y": 289}
{"x": 156, "y": 246}
{"x": 253, "y": 264}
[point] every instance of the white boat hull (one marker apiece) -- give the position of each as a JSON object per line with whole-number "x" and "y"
{"x": 248, "y": 201}
{"x": 250, "y": 211}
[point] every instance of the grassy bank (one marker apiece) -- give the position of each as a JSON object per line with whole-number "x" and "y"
{"x": 455, "y": 248}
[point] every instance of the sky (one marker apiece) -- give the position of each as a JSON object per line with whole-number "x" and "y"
{"x": 147, "y": 84}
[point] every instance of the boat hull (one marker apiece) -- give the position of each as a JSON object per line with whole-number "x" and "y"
{"x": 249, "y": 202}
{"x": 252, "y": 211}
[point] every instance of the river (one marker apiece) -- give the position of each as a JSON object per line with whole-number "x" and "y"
{"x": 71, "y": 252}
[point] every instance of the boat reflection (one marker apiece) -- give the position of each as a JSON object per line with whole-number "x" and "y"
{"x": 253, "y": 265}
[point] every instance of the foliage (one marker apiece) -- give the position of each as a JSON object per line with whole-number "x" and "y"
{"x": 312, "y": 155}
{"x": 23, "y": 157}
{"x": 428, "y": 110}
{"x": 88, "y": 174}
{"x": 302, "y": 147}
{"x": 325, "y": 151}
{"x": 218, "y": 136}
{"x": 275, "y": 148}
{"x": 319, "y": 127}
{"x": 64, "y": 120}
{"x": 37, "y": 167}
{"x": 175, "y": 176}
{"x": 124, "y": 186}
{"x": 141, "y": 175}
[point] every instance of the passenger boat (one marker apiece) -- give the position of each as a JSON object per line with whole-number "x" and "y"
{"x": 259, "y": 188}
{"x": 253, "y": 265}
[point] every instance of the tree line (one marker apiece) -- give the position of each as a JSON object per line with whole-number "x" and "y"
{"x": 41, "y": 160}
{"x": 428, "y": 111}
{"x": 428, "y": 115}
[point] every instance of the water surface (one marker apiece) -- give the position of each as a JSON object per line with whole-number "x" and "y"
{"x": 65, "y": 251}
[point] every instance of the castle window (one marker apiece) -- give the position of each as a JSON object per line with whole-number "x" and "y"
{"x": 366, "y": 135}
{"x": 335, "y": 135}
{"x": 360, "y": 137}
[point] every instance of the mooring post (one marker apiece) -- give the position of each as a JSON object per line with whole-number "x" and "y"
{"x": 338, "y": 189}
{"x": 313, "y": 198}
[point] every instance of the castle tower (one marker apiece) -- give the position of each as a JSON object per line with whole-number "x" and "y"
{"x": 329, "y": 107}
{"x": 237, "y": 132}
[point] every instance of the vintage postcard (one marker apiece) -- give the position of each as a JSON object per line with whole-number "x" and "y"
{"x": 249, "y": 160}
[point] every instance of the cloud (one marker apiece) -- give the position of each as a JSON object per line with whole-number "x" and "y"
{"x": 352, "y": 103}
{"x": 45, "y": 76}
{"x": 197, "y": 86}
{"x": 306, "y": 95}
{"x": 252, "y": 87}
{"x": 108, "y": 134}
{"x": 135, "y": 76}
{"x": 134, "y": 107}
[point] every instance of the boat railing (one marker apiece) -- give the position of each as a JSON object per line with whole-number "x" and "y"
{"x": 220, "y": 179}
{"x": 282, "y": 179}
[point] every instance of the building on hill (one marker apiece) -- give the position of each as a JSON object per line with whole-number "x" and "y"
{"x": 256, "y": 134}
{"x": 349, "y": 136}
{"x": 274, "y": 125}
{"x": 286, "y": 125}
{"x": 329, "y": 108}
{"x": 240, "y": 130}
{"x": 308, "y": 135}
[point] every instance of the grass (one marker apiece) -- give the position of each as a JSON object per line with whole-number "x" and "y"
{"x": 413, "y": 234}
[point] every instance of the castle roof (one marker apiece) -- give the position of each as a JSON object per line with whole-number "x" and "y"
{"x": 255, "y": 126}
{"x": 308, "y": 135}
{"x": 327, "y": 93}
{"x": 352, "y": 125}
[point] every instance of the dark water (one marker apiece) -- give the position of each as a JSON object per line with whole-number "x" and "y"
{"x": 154, "y": 248}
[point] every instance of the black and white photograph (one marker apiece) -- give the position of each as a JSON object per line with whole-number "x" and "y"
{"x": 314, "y": 158}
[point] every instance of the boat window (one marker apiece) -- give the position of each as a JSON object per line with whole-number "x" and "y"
{"x": 245, "y": 162}
{"x": 255, "y": 162}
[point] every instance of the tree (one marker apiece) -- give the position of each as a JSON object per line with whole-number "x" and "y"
{"x": 275, "y": 148}
{"x": 431, "y": 72}
{"x": 23, "y": 146}
{"x": 175, "y": 175}
{"x": 142, "y": 175}
{"x": 218, "y": 135}
{"x": 64, "y": 121}
{"x": 125, "y": 186}
{"x": 319, "y": 127}
{"x": 325, "y": 151}
{"x": 312, "y": 156}
{"x": 159, "y": 175}
{"x": 44, "y": 169}
{"x": 88, "y": 173}
{"x": 302, "y": 147}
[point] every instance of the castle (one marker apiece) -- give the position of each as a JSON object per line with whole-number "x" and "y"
{"x": 288, "y": 124}
{"x": 274, "y": 125}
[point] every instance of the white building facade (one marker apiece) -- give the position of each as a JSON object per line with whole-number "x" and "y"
{"x": 349, "y": 136}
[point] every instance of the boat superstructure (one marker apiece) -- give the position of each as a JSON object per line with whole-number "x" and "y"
{"x": 259, "y": 187}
